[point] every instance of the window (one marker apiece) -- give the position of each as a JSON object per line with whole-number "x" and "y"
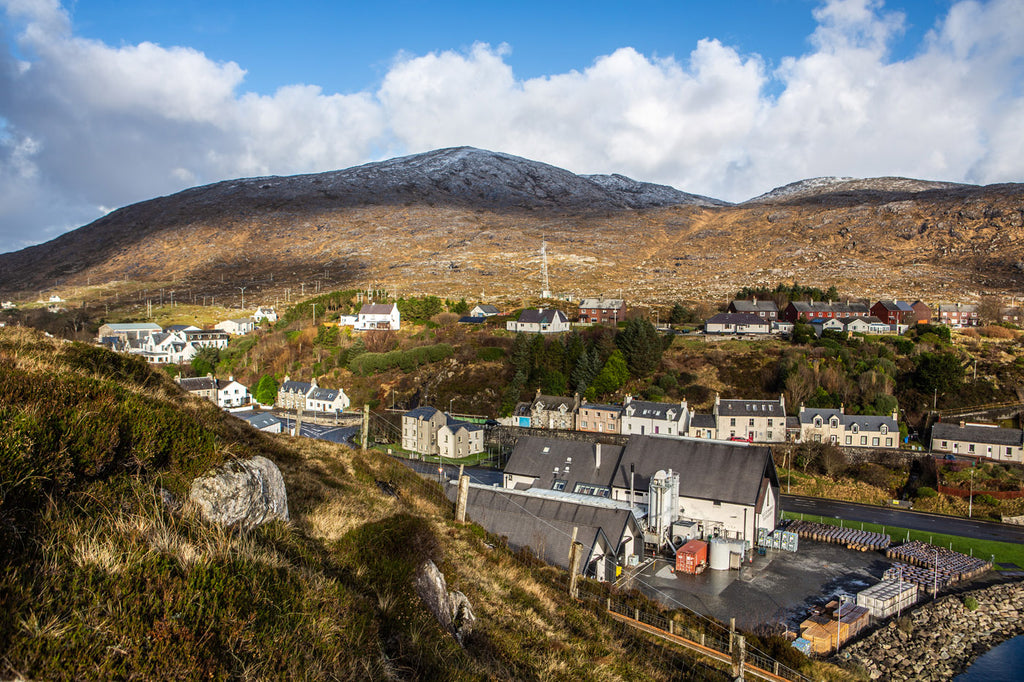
{"x": 817, "y": 422}
{"x": 559, "y": 484}
{"x": 888, "y": 442}
{"x": 769, "y": 423}
{"x": 751, "y": 421}
{"x": 732, "y": 422}
{"x": 1009, "y": 451}
{"x": 849, "y": 440}
{"x": 769, "y": 435}
{"x": 884, "y": 429}
{"x": 591, "y": 489}
{"x": 970, "y": 448}
{"x": 874, "y": 441}
{"x": 863, "y": 440}
{"x": 583, "y": 425}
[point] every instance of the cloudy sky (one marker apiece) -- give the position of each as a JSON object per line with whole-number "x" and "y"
{"x": 106, "y": 103}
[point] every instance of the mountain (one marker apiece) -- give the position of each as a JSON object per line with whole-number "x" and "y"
{"x": 458, "y": 222}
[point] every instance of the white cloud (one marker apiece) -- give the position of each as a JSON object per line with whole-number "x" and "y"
{"x": 87, "y": 125}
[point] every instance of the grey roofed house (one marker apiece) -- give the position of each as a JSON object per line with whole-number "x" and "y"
{"x": 192, "y": 384}
{"x": 816, "y": 308}
{"x": 974, "y": 433}
{"x": 376, "y": 309}
{"x": 650, "y": 410}
{"x": 702, "y": 421}
{"x": 751, "y": 408}
{"x": 421, "y": 412}
{"x": 260, "y": 420}
{"x": 754, "y": 306}
{"x": 870, "y": 422}
{"x": 487, "y": 309}
{"x": 736, "y": 318}
{"x": 545, "y": 524}
{"x": 324, "y": 394}
{"x": 537, "y": 457}
{"x": 708, "y": 469}
{"x": 544, "y": 316}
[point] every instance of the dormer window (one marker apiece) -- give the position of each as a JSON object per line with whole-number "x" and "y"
{"x": 856, "y": 428}
{"x": 884, "y": 429}
{"x": 834, "y": 423}
{"x": 817, "y": 422}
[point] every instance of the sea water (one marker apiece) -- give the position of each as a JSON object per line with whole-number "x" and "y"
{"x": 1004, "y": 663}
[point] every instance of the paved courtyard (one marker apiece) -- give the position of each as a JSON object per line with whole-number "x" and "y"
{"x": 777, "y": 588}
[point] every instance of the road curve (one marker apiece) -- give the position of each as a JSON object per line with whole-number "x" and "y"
{"x": 902, "y": 518}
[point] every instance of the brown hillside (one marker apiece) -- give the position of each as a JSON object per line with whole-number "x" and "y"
{"x": 886, "y": 237}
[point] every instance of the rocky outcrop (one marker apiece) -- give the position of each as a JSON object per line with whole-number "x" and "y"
{"x": 941, "y": 639}
{"x": 452, "y": 609}
{"x": 243, "y": 493}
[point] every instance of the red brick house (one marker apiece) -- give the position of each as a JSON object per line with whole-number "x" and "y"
{"x": 802, "y": 311}
{"x": 602, "y": 310}
{"x": 922, "y": 312}
{"x": 893, "y": 312}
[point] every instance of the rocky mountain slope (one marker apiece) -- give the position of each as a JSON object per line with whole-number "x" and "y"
{"x": 468, "y": 222}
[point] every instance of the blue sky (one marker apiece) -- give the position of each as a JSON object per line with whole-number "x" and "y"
{"x": 103, "y": 104}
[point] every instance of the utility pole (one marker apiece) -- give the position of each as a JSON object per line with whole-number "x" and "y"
{"x": 242, "y": 289}
{"x": 314, "y": 314}
{"x": 366, "y": 425}
{"x": 460, "y": 505}
{"x": 575, "y": 554}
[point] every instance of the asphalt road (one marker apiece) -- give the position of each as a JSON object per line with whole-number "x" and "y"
{"x": 476, "y": 474}
{"x": 334, "y": 434}
{"x": 902, "y": 518}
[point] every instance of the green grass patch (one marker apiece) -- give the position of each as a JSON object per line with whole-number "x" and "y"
{"x": 1004, "y": 552}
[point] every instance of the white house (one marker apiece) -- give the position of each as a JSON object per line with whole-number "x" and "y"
{"x": 460, "y": 439}
{"x": 164, "y": 348}
{"x": 207, "y": 338}
{"x": 979, "y": 440}
{"x": 378, "y": 316}
{"x": 641, "y": 417}
{"x": 543, "y": 321}
{"x": 128, "y": 330}
{"x": 237, "y": 327}
{"x": 265, "y": 313}
{"x": 821, "y": 425}
{"x": 231, "y": 393}
{"x": 737, "y": 323}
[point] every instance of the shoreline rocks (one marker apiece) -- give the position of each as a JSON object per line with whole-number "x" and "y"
{"x": 942, "y": 638}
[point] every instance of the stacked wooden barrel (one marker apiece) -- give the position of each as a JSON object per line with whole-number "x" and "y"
{"x": 852, "y": 538}
{"x": 940, "y": 561}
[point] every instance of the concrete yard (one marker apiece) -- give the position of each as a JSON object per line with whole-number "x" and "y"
{"x": 777, "y": 588}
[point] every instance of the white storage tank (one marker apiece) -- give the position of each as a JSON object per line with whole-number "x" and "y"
{"x": 718, "y": 554}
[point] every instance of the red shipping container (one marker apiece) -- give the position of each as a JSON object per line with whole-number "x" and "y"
{"x": 691, "y": 556}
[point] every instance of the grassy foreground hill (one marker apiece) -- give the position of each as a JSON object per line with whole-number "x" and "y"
{"x": 100, "y": 579}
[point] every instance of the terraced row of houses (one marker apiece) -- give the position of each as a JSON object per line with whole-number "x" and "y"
{"x": 754, "y": 421}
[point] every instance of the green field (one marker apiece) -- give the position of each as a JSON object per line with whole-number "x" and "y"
{"x": 1004, "y": 552}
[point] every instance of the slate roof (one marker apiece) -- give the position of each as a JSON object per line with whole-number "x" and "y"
{"x": 649, "y": 410}
{"x": 376, "y": 308}
{"x": 544, "y": 524}
{"x": 602, "y": 303}
{"x": 296, "y": 387}
{"x": 902, "y": 306}
{"x": 488, "y": 309}
{"x": 870, "y": 422}
{"x": 600, "y": 406}
{"x": 750, "y": 408}
{"x": 808, "y": 414}
{"x": 542, "y": 316}
{"x": 529, "y": 458}
{"x": 422, "y": 412}
{"x": 977, "y": 434}
{"x": 260, "y": 420}
{"x": 814, "y": 307}
{"x": 708, "y": 469}
{"x": 325, "y": 394}
{"x": 737, "y": 318}
{"x": 702, "y": 421}
{"x": 742, "y": 306}
{"x": 552, "y": 403}
{"x": 455, "y": 425}
{"x": 198, "y": 384}
{"x": 869, "y": 319}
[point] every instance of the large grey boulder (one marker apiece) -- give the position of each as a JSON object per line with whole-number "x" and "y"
{"x": 452, "y": 609}
{"x": 245, "y": 493}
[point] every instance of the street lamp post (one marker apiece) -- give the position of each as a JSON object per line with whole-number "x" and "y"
{"x": 450, "y": 405}
{"x": 935, "y": 575}
{"x": 970, "y": 504}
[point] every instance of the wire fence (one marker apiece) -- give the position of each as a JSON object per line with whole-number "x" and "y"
{"x": 688, "y": 629}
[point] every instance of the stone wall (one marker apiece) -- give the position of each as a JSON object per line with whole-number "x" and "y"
{"x": 941, "y": 639}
